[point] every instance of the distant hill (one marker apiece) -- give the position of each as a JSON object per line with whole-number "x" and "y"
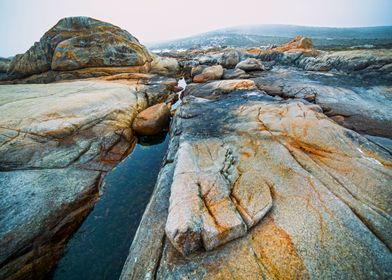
{"x": 267, "y": 35}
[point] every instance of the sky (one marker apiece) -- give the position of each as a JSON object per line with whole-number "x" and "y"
{"x": 22, "y": 22}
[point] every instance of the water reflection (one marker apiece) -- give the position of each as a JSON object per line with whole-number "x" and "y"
{"x": 99, "y": 248}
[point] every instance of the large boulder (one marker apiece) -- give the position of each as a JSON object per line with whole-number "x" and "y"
{"x": 164, "y": 66}
{"x": 230, "y": 59}
{"x": 80, "y": 42}
{"x": 250, "y": 64}
{"x": 210, "y": 73}
{"x": 197, "y": 70}
{"x": 152, "y": 120}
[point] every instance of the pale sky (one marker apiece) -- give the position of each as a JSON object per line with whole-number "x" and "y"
{"x": 22, "y": 22}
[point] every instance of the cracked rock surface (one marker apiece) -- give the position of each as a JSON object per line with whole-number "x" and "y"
{"x": 80, "y": 42}
{"x": 363, "y": 105}
{"x": 211, "y": 201}
{"x": 289, "y": 192}
{"x": 57, "y": 141}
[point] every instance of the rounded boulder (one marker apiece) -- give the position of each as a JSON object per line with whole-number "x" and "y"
{"x": 152, "y": 120}
{"x": 250, "y": 64}
{"x": 210, "y": 73}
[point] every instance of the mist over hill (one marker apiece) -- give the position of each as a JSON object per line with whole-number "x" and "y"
{"x": 267, "y": 35}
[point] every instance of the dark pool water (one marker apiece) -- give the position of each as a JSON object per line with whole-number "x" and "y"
{"x": 99, "y": 248}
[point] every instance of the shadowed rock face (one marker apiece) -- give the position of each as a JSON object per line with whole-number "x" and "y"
{"x": 4, "y": 64}
{"x": 57, "y": 142}
{"x": 234, "y": 155}
{"x": 80, "y": 42}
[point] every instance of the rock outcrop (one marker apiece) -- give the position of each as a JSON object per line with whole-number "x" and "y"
{"x": 266, "y": 175}
{"x": 57, "y": 142}
{"x": 78, "y": 43}
{"x": 300, "y": 53}
{"x": 365, "y": 62}
{"x": 359, "y": 104}
{"x": 298, "y": 43}
{"x": 232, "y": 156}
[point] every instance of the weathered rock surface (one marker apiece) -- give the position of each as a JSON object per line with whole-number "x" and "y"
{"x": 77, "y": 43}
{"x": 164, "y": 66}
{"x": 230, "y": 74}
{"x": 368, "y": 63}
{"x": 197, "y": 70}
{"x": 4, "y": 64}
{"x": 57, "y": 142}
{"x": 357, "y": 61}
{"x": 230, "y": 59}
{"x": 152, "y": 120}
{"x": 210, "y": 73}
{"x": 250, "y": 64}
{"x": 261, "y": 179}
{"x": 215, "y": 89}
{"x": 298, "y": 43}
{"x": 360, "y": 104}
{"x": 211, "y": 202}
{"x": 373, "y": 63}
{"x": 230, "y": 153}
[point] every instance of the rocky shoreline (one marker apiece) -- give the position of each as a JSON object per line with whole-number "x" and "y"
{"x": 279, "y": 163}
{"x": 325, "y": 220}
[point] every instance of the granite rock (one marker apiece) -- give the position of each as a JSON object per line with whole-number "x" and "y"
{"x": 152, "y": 120}
{"x": 329, "y": 188}
{"x": 57, "y": 142}
{"x": 77, "y": 43}
{"x": 230, "y": 59}
{"x": 250, "y": 64}
{"x": 210, "y": 73}
{"x": 229, "y": 74}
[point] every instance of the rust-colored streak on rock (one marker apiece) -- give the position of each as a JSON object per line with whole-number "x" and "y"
{"x": 276, "y": 252}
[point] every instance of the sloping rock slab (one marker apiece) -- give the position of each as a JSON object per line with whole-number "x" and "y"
{"x": 330, "y": 189}
{"x": 363, "y": 105}
{"x": 57, "y": 141}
